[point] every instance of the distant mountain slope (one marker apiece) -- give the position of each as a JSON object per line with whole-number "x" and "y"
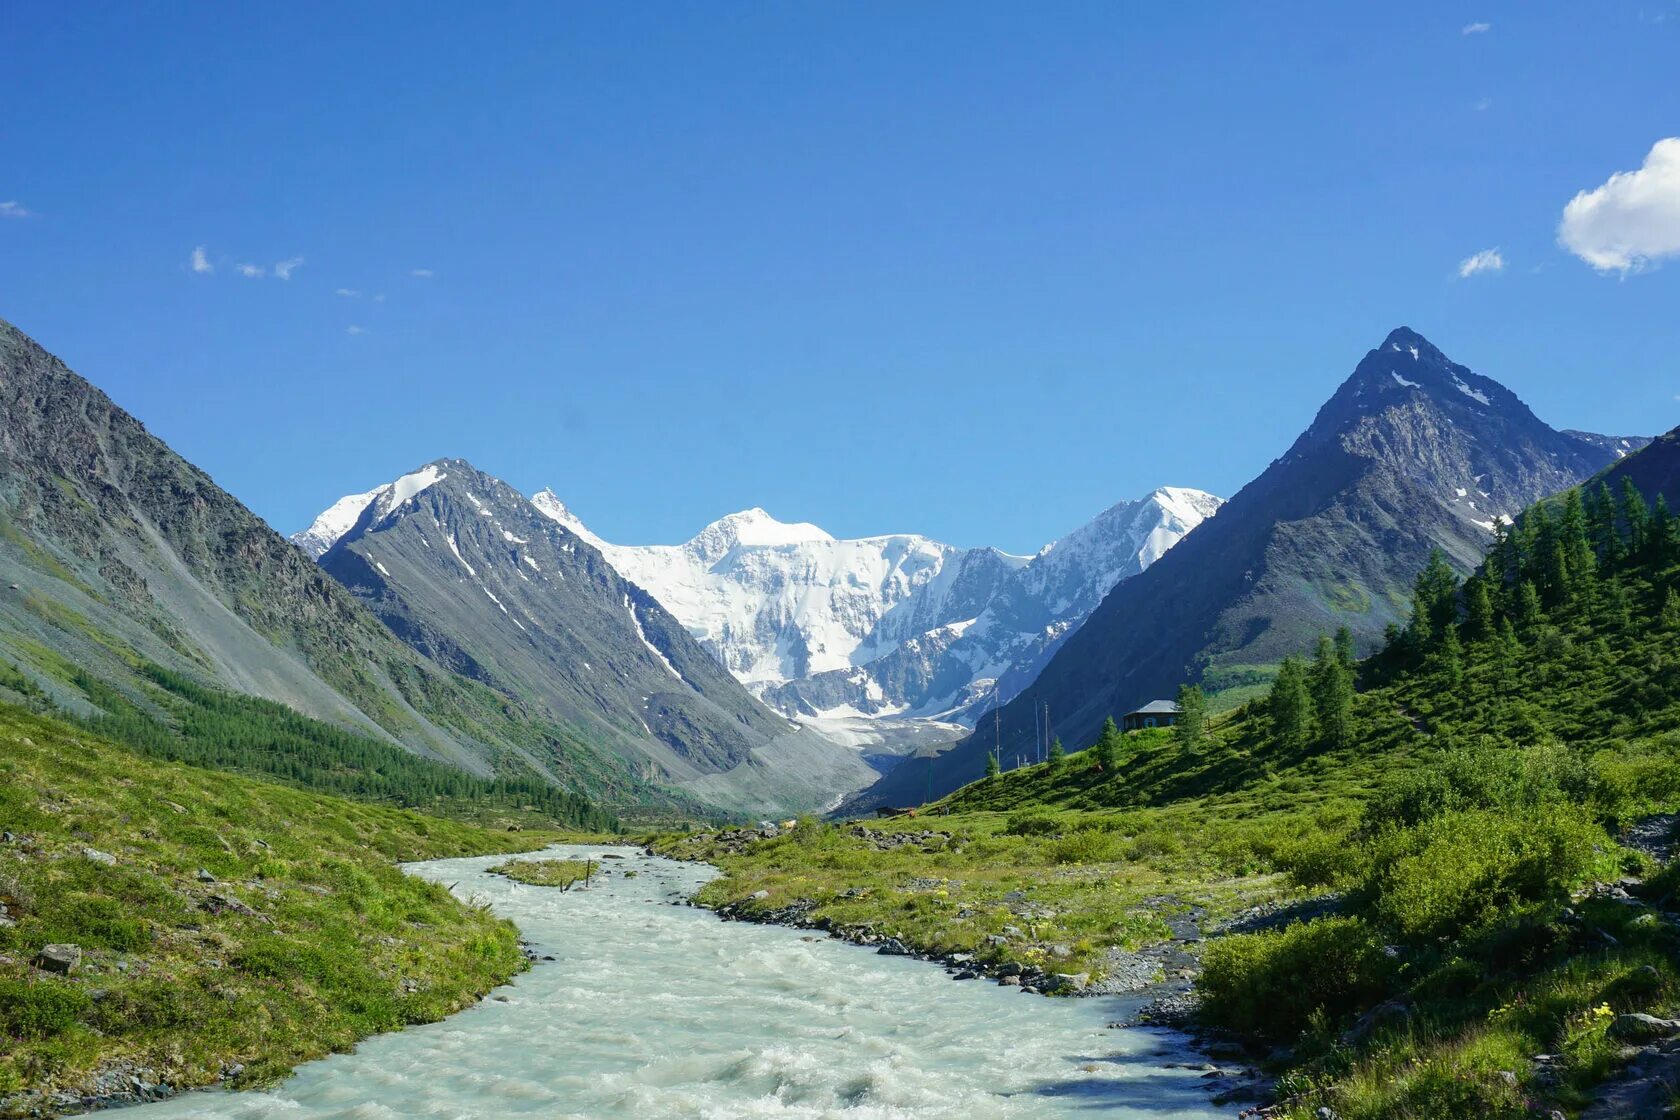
{"x": 1655, "y": 470}
{"x": 890, "y": 626}
{"x": 467, "y": 571}
{"x": 1411, "y": 453}
{"x": 116, "y": 554}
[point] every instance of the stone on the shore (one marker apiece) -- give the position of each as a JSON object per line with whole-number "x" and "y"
{"x": 62, "y": 959}
{"x": 1072, "y": 981}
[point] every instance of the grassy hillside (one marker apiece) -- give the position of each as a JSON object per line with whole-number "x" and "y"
{"x": 229, "y": 928}
{"x": 1477, "y": 923}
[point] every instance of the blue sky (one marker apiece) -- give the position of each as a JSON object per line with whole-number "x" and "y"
{"x": 971, "y": 270}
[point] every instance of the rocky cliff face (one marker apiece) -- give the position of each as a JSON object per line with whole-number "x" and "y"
{"x": 1412, "y": 452}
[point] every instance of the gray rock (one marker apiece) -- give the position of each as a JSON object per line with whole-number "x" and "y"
{"x": 62, "y": 959}
{"x": 1072, "y": 981}
{"x": 204, "y": 876}
{"x": 1638, "y": 1027}
{"x": 98, "y": 856}
{"x": 760, "y": 894}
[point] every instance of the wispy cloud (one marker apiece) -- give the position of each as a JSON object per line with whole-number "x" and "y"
{"x": 1475, "y": 28}
{"x": 201, "y": 261}
{"x": 14, "y": 209}
{"x": 422, "y": 273}
{"x": 348, "y": 293}
{"x": 284, "y": 269}
{"x": 251, "y": 270}
{"x": 1488, "y": 260}
{"x": 1632, "y": 221}
{"x": 354, "y": 329}
{"x": 1484, "y": 105}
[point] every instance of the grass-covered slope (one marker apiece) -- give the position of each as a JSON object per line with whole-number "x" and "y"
{"x": 1480, "y": 928}
{"x": 229, "y": 928}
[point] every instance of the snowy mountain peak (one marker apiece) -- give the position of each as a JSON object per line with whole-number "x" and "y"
{"x": 343, "y": 515}
{"x": 753, "y": 528}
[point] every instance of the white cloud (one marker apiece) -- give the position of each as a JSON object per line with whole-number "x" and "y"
{"x": 354, "y": 329}
{"x": 379, "y": 298}
{"x": 1484, "y": 105}
{"x": 15, "y": 210}
{"x": 422, "y": 273}
{"x": 201, "y": 261}
{"x": 1633, "y": 220}
{"x": 1488, "y": 260}
{"x": 251, "y": 270}
{"x": 1475, "y": 28}
{"x": 349, "y": 293}
{"x": 284, "y": 269}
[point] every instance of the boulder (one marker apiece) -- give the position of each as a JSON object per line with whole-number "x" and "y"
{"x": 62, "y": 959}
{"x": 98, "y": 856}
{"x": 1638, "y": 1027}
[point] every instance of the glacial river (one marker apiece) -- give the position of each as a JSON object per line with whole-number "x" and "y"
{"x": 654, "y": 1011}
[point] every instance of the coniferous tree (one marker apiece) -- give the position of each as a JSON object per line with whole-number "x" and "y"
{"x": 992, "y": 767}
{"x": 1190, "y": 729}
{"x": 1434, "y": 601}
{"x": 1601, "y": 521}
{"x": 1107, "y": 750}
{"x": 1669, "y": 616}
{"x": 1478, "y": 609}
{"x": 1291, "y": 704}
{"x": 1637, "y": 516}
{"x": 1344, "y": 648}
{"x": 1529, "y": 609}
{"x": 1450, "y": 657}
{"x": 1058, "y": 756}
{"x": 1662, "y": 534}
{"x": 1331, "y": 682}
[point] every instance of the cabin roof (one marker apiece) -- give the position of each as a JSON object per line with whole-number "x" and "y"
{"x": 1157, "y": 708}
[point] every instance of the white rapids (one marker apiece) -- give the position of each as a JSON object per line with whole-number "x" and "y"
{"x": 653, "y": 1010}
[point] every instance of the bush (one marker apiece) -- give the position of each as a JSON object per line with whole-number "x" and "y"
{"x": 1032, "y": 824}
{"x": 1463, "y": 871}
{"x": 1272, "y": 983}
{"x": 40, "y": 1011}
{"x": 1087, "y": 845}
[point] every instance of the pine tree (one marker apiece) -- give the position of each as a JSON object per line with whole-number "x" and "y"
{"x": 1450, "y": 657}
{"x": 1478, "y": 609}
{"x": 1291, "y": 704}
{"x": 1107, "y": 750}
{"x": 1637, "y": 516}
{"x": 992, "y": 767}
{"x": 1344, "y": 648}
{"x": 1331, "y": 683}
{"x": 1529, "y": 610}
{"x": 1669, "y": 617}
{"x": 1058, "y": 756}
{"x": 1662, "y": 534}
{"x": 1601, "y": 521}
{"x": 1434, "y": 601}
{"x": 1190, "y": 729}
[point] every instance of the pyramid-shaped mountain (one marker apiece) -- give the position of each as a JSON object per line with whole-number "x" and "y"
{"x": 1412, "y": 452}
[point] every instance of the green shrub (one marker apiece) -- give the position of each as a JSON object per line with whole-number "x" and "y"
{"x": 1086, "y": 845}
{"x": 1463, "y": 871}
{"x": 1032, "y": 824}
{"x": 41, "y": 1010}
{"x": 1273, "y": 983}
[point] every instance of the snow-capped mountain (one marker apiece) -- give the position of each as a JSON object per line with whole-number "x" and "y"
{"x": 889, "y": 626}
{"x": 465, "y": 570}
